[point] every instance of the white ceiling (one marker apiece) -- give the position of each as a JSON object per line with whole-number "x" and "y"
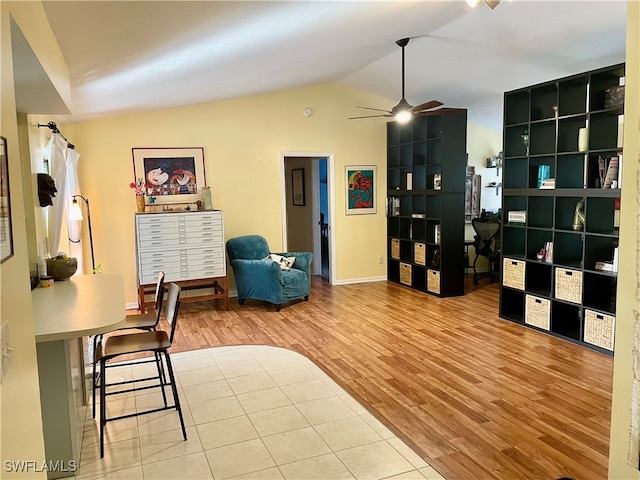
{"x": 130, "y": 56}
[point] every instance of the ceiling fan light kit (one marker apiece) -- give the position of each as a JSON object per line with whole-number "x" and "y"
{"x": 403, "y": 112}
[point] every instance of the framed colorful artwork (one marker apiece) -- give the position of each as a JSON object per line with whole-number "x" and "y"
{"x": 361, "y": 181}
{"x": 172, "y": 175}
{"x": 6, "y": 232}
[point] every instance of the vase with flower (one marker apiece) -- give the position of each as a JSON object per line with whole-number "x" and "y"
{"x": 141, "y": 189}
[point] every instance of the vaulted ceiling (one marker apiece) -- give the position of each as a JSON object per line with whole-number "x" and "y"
{"x": 130, "y": 56}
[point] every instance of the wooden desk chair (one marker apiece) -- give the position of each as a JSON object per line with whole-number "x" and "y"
{"x": 145, "y": 321}
{"x": 157, "y": 342}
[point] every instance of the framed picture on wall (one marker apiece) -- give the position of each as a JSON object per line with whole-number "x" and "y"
{"x": 172, "y": 175}
{"x": 6, "y": 232}
{"x": 297, "y": 187}
{"x": 360, "y": 180}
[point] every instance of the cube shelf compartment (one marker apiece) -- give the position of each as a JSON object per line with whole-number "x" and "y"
{"x": 572, "y": 294}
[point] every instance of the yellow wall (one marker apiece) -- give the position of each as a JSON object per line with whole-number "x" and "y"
{"x": 627, "y": 298}
{"x": 242, "y": 140}
{"x": 20, "y": 419}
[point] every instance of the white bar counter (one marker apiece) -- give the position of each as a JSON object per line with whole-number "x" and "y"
{"x": 83, "y": 306}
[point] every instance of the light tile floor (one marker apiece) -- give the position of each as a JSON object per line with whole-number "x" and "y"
{"x": 251, "y": 412}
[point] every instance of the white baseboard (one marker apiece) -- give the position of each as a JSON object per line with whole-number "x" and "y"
{"x": 349, "y": 281}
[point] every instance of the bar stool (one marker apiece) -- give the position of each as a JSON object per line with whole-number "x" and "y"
{"x": 157, "y": 342}
{"x": 145, "y": 321}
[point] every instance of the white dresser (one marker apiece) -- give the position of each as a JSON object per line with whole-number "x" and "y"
{"x": 188, "y": 247}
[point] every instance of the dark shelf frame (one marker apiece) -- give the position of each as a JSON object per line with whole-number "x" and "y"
{"x": 552, "y": 113}
{"x": 429, "y": 146}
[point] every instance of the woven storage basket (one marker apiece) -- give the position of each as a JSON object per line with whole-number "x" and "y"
{"x": 419, "y": 257}
{"x": 568, "y": 285}
{"x": 599, "y": 329}
{"x": 405, "y": 273}
{"x": 433, "y": 281}
{"x": 513, "y": 273}
{"x": 537, "y": 312}
{"x": 395, "y": 248}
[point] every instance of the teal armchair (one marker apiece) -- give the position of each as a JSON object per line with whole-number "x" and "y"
{"x": 261, "y": 279}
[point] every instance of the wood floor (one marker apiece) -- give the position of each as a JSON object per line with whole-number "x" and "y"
{"x": 477, "y": 396}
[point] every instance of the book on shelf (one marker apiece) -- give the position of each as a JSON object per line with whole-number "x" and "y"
{"x": 517, "y": 217}
{"x": 605, "y": 266}
{"x": 437, "y": 181}
{"x": 418, "y": 215}
{"x": 393, "y": 206}
{"x": 609, "y": 265}
{"x": 409, "y": 181}
{"x": 544, "y": 172}
{"x": 619, "y": 170}
{"x": 548, "y": 183}
{"x": 612, "y": 173}
{"x": 548, "y": 252}
{"x": 436, "y": 234}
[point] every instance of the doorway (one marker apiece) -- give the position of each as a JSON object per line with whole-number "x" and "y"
{"x": 308, "y": 208}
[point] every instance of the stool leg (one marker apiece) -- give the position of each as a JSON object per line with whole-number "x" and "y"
{"x": 176, "y": 400}
{"x": 94, "y": 380}
{"x": 161, "y": 376}
{"x": 103, "y": 406}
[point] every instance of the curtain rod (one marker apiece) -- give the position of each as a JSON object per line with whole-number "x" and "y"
{"x": 54, "y": 128}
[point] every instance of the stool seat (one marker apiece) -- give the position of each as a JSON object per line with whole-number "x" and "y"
{"x": 132, "y": 343}
{"x": 140, "y": 321}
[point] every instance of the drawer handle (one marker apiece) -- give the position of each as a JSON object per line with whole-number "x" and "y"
{"x": 537, "y": 301}
{"x": 514, "y": 262}
{"x": 600, "y": 317}
{"x": 568, "y": 273}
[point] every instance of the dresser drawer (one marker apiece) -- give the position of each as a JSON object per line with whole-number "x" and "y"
{"x": 211, "y": 222}
{"x": 216, "y": 252}
{"x": 161, "y": 243}
{"x": 151, "y": 221}
{"x": 204, "y": 271}
{"x": 166, "y": 231}
{"x": 163, "y": 254}
{"x": 204, "y": 238}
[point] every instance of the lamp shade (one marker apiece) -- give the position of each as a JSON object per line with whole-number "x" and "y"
{"x": 75, "y": 212}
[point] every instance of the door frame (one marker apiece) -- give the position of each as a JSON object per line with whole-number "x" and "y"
{"x": 316, "y": 203}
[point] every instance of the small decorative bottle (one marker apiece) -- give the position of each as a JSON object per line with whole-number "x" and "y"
{"x": 206, "y": 198}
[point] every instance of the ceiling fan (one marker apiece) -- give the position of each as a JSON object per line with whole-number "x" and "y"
{"x": 404, "y": 111}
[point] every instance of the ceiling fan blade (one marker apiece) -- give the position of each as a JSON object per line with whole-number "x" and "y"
{"x": 371, "y": 116}
{"x": 431, "y": 104}
{"x": 441, "y": 111}
{"x": 376, "y": 109}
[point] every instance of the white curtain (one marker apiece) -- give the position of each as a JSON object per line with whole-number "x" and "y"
{"x": 63, "y": 165}
{"x": 74, "y": 226}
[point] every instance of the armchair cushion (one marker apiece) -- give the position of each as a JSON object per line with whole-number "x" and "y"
{"x": 258, "y": 278}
